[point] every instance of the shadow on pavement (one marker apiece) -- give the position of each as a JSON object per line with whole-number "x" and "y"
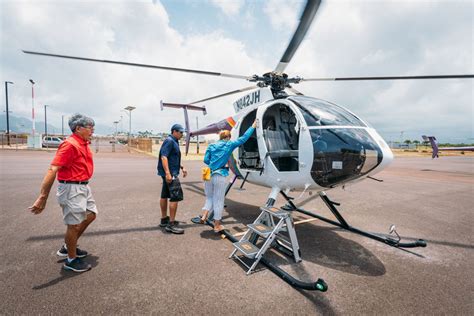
{"x": 111, "y": 232}
{"x": 319, "y": 300}
{"x": 320, "y": 245}
{"x": 64, "y": 275}
{"x": 323, "y": 246}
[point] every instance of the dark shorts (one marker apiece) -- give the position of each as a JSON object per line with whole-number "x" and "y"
{"x": 172, "y": 190}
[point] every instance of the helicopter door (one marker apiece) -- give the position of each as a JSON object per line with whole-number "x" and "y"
{"x": 249, "y": 157}
{"x": 280, "y": 129}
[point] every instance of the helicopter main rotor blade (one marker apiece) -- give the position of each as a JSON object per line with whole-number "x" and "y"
{"x": 391, "y": 78}
{"x": 307, "y": 17}
{"x": 225, "y": 94}
{"x": 201, "y": 72}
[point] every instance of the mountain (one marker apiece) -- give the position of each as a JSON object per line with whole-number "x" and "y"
{"x": 24, "y": 125}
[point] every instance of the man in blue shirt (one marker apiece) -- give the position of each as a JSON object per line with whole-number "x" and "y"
{"x": 169, "y": 165}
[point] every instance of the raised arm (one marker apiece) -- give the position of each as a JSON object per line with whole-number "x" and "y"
{"x": 242, "y": 139}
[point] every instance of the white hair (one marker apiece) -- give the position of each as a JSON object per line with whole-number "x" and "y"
{"x": 79, "y": 120}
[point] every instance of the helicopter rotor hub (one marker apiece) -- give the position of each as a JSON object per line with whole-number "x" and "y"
{"x": 276, "y": 81}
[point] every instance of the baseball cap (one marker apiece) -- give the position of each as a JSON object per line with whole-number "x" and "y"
{"x": 177, "y": 127}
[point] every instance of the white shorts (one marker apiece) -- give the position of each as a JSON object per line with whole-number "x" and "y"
{"x": 75, "y": 200}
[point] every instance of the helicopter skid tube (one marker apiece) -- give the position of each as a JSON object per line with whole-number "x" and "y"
{"x": 319, "y": 285}
{"x": 343, "y": 224}
{"x": 389, "y": 241}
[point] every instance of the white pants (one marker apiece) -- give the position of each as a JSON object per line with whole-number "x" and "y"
{"x": 215, "y": 195}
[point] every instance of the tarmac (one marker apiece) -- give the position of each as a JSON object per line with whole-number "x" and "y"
{"x": 138, "y": 268}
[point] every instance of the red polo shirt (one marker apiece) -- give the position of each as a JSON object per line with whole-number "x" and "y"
{"x": 75, "y": 159}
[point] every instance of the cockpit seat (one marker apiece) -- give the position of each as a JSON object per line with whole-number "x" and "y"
{"x": 249, "y": 156}
{"x": 278, "y": 145}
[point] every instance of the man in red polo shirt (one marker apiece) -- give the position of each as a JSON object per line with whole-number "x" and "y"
{"x": 73, "y": 166}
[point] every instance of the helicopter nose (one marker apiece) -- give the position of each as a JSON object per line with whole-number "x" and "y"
{"x": 387, "y": 154}
{"x": 342, "y": 155}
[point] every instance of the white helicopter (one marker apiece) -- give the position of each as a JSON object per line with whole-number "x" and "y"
{"x": 301, "y": 144}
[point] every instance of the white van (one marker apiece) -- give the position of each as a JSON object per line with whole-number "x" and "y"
{"x": 52, "y": 141}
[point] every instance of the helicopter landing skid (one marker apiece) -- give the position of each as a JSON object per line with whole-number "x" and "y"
{"x": 394, "y": 242}
{"x": 319, "y": 285}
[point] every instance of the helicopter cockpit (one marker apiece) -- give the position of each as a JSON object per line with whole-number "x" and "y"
{"x": 343, "y": 148}
{"x": 280, "y": 130}
{"x": 281, "y": 134}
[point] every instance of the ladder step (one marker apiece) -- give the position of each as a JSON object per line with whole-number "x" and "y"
{"x": 247, "y": 248}
{"x": 262, "y": 230}
{"x": 275, "y": 211}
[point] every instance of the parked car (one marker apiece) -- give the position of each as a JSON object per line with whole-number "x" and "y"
{"x": 52, "y": 141}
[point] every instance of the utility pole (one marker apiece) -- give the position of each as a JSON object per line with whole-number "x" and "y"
{"x": 62, "y": 125}
{"x": 33, "y": 110}
{"x": 8, "y": 118}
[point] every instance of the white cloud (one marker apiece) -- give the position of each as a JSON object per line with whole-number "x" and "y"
{"x": 282, "y": 14}
{"x": 134, "y": 32}
{"x": 387, "y": 38}
{"x": 376, "y": 57}
{"x": 347, "y": 39}
{"x": 229, "y": 7}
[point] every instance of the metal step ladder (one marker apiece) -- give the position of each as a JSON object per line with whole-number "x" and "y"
{"x": 274, "y": 226}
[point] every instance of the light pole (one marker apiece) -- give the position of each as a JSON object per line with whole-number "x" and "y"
{"x": 45, "y": 121}
{"x": 197, "y": 137}
{"x": 115, "y": 123}
{"x": 62, "y": 125}
{"x": 115, "y": 136}
{"x": 33, "y": 132}
{"x": 8, "y": 118}
{"x": 129, "y": 109}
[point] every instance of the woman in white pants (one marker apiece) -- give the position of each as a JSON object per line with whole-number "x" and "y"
{"x": 216, "y": 158}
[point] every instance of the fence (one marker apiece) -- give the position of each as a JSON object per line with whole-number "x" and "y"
{"x": 15, "y": 139}
{"x": 143, "y": 144}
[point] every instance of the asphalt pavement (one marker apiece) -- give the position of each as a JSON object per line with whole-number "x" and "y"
{"x": 138, "y": 268}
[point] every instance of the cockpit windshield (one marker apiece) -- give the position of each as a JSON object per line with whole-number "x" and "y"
{"x": 318, "y": 112}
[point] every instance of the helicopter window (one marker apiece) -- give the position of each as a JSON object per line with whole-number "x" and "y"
{"x": 249, "y": 156}
{"x": 321, "y": 113}
{"x": 342, "y": 154}
{"x": 281, "y": 137}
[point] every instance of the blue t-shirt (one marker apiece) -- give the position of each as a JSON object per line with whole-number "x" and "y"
{"x": 218, "y": 154}
{"x": 170, "y": 149}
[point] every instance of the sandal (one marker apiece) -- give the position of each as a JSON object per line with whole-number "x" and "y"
{"x": 203, "y": 218}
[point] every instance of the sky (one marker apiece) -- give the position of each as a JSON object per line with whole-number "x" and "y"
{"x": 244, "y": 37}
